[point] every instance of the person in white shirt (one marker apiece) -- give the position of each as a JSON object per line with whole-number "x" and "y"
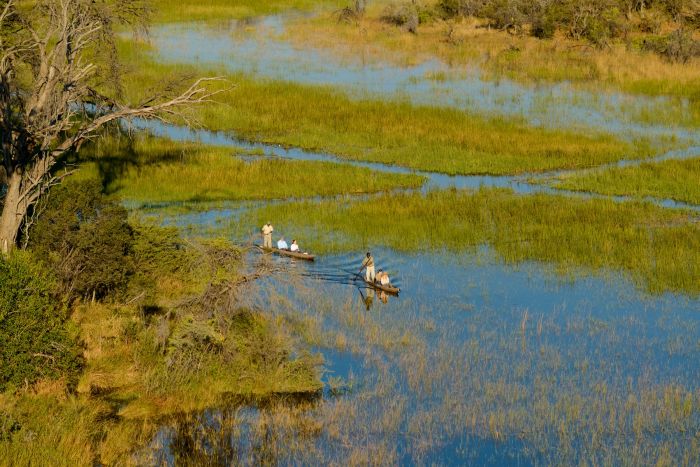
{"x": 267, "y": 235}
{"x": 295, "y": 246}
{"x": 282, "y": 244}
{"x": 383, "y": 277}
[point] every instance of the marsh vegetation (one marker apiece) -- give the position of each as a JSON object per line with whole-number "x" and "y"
{"x": 532, "y": 327}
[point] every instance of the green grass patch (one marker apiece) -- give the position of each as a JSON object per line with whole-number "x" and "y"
{"x": 673, "y": 179}
{"x": 393, "y": 132}
{"x": 221, "y": 10}
{"x": 150, "y": 170}
{"x": 659, "y": 248}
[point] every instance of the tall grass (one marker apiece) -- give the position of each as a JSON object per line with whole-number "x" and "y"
{"x": 677, "y": 180}
{"x": 394, "y": 132}
{"x": 659, "y": 248}
{"x": 221, "y": 10}
{"x": 159, "y": 170}
{"x": 499, "y": 54}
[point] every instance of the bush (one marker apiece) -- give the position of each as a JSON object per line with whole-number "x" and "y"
{"x": 84, "y": 236}
{"x": 679, "y": 46}
{"x": 404, "y": 14}
{"x": 453, "y": 8}
{"x": 36, "y": 341}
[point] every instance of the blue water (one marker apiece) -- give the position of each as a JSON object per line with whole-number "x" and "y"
{"x": 259, "y": 49}
{"x": 419, "y": 374}
{"x": 454, "y": 307}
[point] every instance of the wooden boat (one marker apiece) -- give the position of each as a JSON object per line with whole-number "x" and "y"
{"x": 385, "y": 288}
{"x": 293, "y": 254}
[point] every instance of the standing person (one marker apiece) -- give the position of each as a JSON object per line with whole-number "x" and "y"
{"x": 267, "y": 235}
{"x": 368, "y": 263}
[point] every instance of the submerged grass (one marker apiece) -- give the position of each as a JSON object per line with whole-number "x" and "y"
{"x": 393, "y": 132}
{"x": 153, "y": 170}
{"x": 677, "y": 180}
{"x": 659, "y": 248}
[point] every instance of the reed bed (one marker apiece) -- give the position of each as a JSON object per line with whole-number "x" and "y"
{"x": 156, "y": 170}
{"x": 393, "y": 132}
{"x": 656, "y": 246}
{"x": 574, "y": 388}
{"x": 677, "y": 180}
{"x": 168, "y": 11}
{"x": 501, "y": 55}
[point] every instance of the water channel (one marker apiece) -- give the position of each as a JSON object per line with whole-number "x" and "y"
{"x": 478, "y": 360}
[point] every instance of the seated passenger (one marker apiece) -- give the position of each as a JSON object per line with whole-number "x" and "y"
{"x": 282, "y": 244}
{"x": 383, "y": 277}
{"x": 295, "y": 246}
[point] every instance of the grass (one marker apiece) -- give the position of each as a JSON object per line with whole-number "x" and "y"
{"x": 659, "y": 248}
{"x": 673, "y": 179}
{"x": 393, "y": 132}
{"x": 154, "y": 170}
{"x": 175, "y": 346}
{"x": 499, "y": 54}
{"x": 221, "y": 10}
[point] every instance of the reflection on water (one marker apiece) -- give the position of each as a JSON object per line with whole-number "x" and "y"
{"x": 478, "y": 361}
{"x": 257, "y": 48}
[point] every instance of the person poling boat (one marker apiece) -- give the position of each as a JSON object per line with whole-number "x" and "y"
{"x": 267, "y": 230}
{"x": 368, "y": 264}
{"x": 378, "y": 281}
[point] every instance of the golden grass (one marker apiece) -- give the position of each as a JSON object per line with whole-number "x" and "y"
{"x": 522, "y": 58}
{"x": 426, "y": 138}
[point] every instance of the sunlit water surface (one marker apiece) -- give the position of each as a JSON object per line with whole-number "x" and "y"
{"x": 476, "y": 361}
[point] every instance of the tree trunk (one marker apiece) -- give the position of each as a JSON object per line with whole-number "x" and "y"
{"x": 13, "y": 212}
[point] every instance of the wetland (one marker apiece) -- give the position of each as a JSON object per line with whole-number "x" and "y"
{"x": 544, "y": 233}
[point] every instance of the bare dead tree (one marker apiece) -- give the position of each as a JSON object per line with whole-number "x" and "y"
{"x": 51, "y": 63}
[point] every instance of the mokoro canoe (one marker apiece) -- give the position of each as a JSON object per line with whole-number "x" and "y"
{"x": 385, "y": 288}
{"x": 293, "y": 254}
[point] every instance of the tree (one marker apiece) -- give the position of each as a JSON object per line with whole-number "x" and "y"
{"x": 54, "y": 57}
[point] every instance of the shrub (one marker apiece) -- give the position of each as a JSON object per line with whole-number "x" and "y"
{"x": 679, "y": 46}
{"x": 403, "y": 14}
{"x": 84, "y": 236}
{"x": 36, "y": 340}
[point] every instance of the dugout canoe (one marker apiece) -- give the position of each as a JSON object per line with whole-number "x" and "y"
{"x": 293, "y": 254}
{"x": 386, "y": 288}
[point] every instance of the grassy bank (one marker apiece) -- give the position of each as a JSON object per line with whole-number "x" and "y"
{"x": 221, "y": 10}
{"x": 659, "y": 248}
{"x": 168, "y": 333}
{"x": 394, "y": 132}
{"x": 677, "y": 180}
{"x": 153, "y": 170}
{"x": 469, "y": 41}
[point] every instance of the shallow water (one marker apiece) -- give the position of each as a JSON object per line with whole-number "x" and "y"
{"x": 476, "y": 361}
{"x": 421, "y": 366}
{"x": 258, "y": 48}
{"x": 522, "y": 184}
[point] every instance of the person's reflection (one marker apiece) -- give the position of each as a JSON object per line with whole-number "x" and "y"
{"x": 383, "y": 297}
{"x": 369, "y": 299}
